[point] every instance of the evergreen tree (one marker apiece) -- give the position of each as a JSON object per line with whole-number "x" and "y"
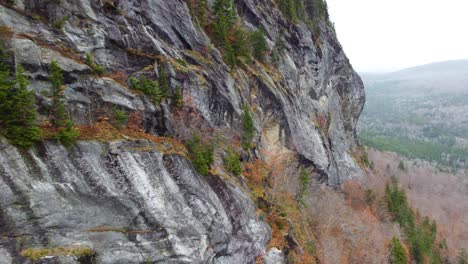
{"x": 229, "y": 55}
{"x": 178, "y": 98}
{"x": 18, "y": 114}
{"x": 232, "y": 162}
{"x": 248, "y": 129}
{"x": 304, "y": 179}
{"x": 225, "y": 12}
{"x": 288, "y": 8}
{"x": 199, "y": 9}
{"x": 259, "y": 45}
{"x": 241, "y": 45}
{"x": 163, "y": 83}
{"x": 420, "y": 236}
{"x": 225, "y": 18}
{"x": 149, "y": 87}
{"x": 398, "y": 254}
{"x": 59, "y": 111}
{"x": 67, "y": 133}
{"x": 200, "y": 154}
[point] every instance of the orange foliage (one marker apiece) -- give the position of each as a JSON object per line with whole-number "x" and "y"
{"x": 354, "y": 194}
{"x": 5, "y": 32}
{"x": 322, "y": 122}
{"x": 119, "y": 77}
{"x": 105, "y": 132}
{"x": 135, "y": 122}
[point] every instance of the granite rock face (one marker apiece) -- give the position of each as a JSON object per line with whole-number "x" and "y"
{"x": 133, "y": 206}
{"x": 128, "y": 205}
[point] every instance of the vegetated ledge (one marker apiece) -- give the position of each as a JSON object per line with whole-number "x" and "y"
{"x": 106, "y": 132}
{"x": 79, "y": 251}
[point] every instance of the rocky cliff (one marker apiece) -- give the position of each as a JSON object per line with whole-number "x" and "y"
{"x": 129, "y": 199}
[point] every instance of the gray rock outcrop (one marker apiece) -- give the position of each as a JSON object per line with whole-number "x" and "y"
{"x": 134, "y": 206}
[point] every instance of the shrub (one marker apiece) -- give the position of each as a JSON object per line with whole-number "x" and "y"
{"x": 462, "y": 257}
{"x": 200, "y": 154}
{"x": 248, "y": 129}
{"x": 96, "y": 68}
{"x": 149, "y": 87}
{"x": 398, "y": 253}
{"x": 60, "y": 23}
{"x": 401, "y": 165}
{"x": 18, "y": 114}
{"x": 67, "y": 135}
{"x": 120, "y": 118}
{"x": 232, "y": 162}
{"x": 370, "y": 197}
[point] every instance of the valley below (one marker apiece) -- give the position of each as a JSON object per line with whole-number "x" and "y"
{"x": 419, "y": 113}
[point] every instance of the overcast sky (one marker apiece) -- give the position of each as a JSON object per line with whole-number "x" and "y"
{"x": 386, "y": 35}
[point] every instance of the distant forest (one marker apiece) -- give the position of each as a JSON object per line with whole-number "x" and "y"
{"x": 419, "y": 113}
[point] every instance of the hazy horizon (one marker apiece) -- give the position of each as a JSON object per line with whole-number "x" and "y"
{"x": 411, "y": 67}
{"x": 380, "y": 36}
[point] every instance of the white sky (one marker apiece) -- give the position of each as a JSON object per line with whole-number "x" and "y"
{"x": 386, "y": 35}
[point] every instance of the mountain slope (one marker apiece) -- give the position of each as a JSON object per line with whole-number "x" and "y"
{"x": 135, "y": 194}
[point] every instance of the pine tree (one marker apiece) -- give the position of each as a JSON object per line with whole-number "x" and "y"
{"x": 225, "y": 18}
{"x": 163, "y": 83}
{"x": 248, "y": 129}
{"x": 288, "y": 8}
{"x": 59, "y": 111}
{"x": 241, "y": 45}
{"x": 18, "y": 114}
{"x": 232, "y": 162}
{"x": 178, "y": 98}
{"x": 149, "y": 87}
{"x": 199, "y": 9}
{"x": 398, "y": 254}
{"x": 67, "y": 134}
{"x": 259, "y": 45}
{"x": 200, "y": 154}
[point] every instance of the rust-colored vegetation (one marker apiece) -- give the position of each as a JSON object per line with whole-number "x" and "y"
{"x": 104, "y": 132}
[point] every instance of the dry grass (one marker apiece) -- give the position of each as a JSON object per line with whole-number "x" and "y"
{"x": 205, "y": 60}
{"x": 35, "y": 254}
{"x": 60, "y": 48}
{"x": 119, "y": 77}
{"x": 105, "y": 132}
{"x": 256, "y": 174}
{"x": 5, "y": 32}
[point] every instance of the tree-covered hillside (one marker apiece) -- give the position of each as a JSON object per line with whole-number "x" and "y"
{"x": 420, "y": 112}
